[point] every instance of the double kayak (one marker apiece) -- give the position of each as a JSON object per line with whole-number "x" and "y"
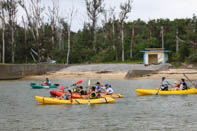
{"x": 48, "y": 100}
{"x": 77, "y": 95}
{"x": 143, "y": 92}
{"x": 35, "y": 86}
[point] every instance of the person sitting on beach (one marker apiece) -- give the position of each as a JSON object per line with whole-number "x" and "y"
{"x": 98, "y": 87}
{"x": 93, "y": 94}
{"x": 47, "y": 82}
{"x": 183, "y": 85}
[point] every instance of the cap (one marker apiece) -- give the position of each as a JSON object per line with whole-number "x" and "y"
{"x": 106, "y": 84}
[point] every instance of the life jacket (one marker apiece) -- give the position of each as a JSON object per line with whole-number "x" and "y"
{"x": 93, "y": 95}
{"x": 185, "y": 86}
{"x": 82, "y": 92}
{"x": 74, "y": 89}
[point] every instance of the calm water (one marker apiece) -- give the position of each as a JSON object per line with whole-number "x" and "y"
{"x": 20, "y": 112}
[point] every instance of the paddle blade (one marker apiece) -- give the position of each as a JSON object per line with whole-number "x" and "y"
{"x": 79, "y": 82}
{"x": 88, "y": 100}
{"x": 89, "y": 82}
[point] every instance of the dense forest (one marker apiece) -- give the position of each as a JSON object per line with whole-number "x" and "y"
{"x": 116, "y": 40}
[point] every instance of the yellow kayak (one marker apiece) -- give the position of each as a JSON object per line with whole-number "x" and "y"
{"x": 143, "y": 92}
{"x": 48, "y": 100}
{"x": 115, "y": 96}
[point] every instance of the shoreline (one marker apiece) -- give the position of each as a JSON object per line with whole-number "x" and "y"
{"x": 174, "y": 74}
{"x": 169, "y": 74}
{"x": 88, "y": 75}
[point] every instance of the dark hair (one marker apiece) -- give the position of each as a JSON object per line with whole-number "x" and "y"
{"x": 98, "y": 83}
{"x": 93, "y": 88}
{"x": 183, "y": 80}
{"x": 81, "y": 87}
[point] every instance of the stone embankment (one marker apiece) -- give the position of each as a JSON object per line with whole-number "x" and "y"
{"x": 17, "y": 71}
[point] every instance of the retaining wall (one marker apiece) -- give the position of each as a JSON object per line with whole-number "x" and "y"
{"x": 142, "y": 72}
{"x": 17, "y": 71}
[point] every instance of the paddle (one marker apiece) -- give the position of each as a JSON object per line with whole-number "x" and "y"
{"x": 89, "y": 95}
{"x": 78, "y": 82}
{"x": 188, "y": 79}
{"x": 57, "y": 84}
{"x": 163, "y": 78}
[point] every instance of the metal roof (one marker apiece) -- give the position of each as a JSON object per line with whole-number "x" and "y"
{"x": 155, "y": 51}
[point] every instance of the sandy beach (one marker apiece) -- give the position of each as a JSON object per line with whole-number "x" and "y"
{"x": 115, "y": 71}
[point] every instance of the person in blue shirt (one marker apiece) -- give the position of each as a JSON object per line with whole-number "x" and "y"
{"x": 164, "y": 85}
{"x": 98, "y": 87}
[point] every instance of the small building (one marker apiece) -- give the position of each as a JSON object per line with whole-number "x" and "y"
{"x": 155, "y": 56}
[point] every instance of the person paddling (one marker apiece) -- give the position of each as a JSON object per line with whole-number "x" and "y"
{"x": 183, "y": 85}
{"x": 93, "y": 94}
{"x": 164, "y": 85}
{"x": 98, "y": 87}
{"x": 68, "y": 95}
{"x": 109, "y": 90}
{"x": 47, "y": 82}
{"x": 176, "y": 86}
{"x": 81, "y": 91}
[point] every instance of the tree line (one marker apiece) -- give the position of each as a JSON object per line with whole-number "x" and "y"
{"x": 36, "y": 40}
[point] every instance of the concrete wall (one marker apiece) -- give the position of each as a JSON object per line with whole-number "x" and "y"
{"x": 138, "y": 73}
{"x": 17, "y": 71}
{"x": 143, "y": 72}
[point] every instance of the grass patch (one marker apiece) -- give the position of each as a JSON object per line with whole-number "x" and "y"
{"x": 176, "y": 64}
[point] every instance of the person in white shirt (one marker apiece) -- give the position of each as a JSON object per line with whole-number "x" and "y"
{"x": 109, "y": 90}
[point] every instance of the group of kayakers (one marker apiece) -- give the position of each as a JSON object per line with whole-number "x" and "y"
{"x": 177, "y": 86}
{"x": 91, "y": 92}
{"x": 96, "y": 90}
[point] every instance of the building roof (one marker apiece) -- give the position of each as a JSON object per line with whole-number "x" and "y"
{"x": 155, "y": 50}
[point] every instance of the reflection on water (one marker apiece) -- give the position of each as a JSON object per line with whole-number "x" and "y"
{"x": 19, "y": 110}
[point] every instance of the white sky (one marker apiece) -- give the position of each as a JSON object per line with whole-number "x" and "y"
{"x": 143, "y": 9}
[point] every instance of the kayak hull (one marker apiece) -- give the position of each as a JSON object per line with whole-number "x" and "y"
{"x": 34, "y": 86}
{"x": 47, "y": 100}
{"x": 143, "y": 92}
